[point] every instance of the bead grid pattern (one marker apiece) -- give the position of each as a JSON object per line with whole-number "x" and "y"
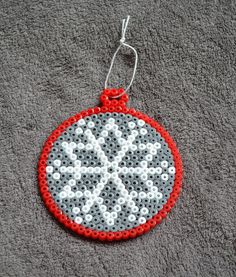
{"x": 110, "y": 173}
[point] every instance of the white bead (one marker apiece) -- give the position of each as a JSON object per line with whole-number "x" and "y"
{"x": 81, "y": 122}
{"x": 111, "y": 120}
{"x": 88, "y": 146}
{"x": 131, "y": 217}
{"x": 149, "y": 146}
{"x": 71, "y": 194}
{"x": 121, "y": 153}
{"x": 78, "y": 194}
{"x": 100, "y": 186}
{"x": 76, "y": 210}
{"x": 114, "y": 214}
{"x": 70, "y": 169}
{"x": 85, "y": 209}
{"x": 134, "y": 133}
{"x": 99, "y": 200}
{"x": 56, "y": 176}
{"x": 57, "y": 162}
{"x": 77, "y": 176}
{"x": 91, "y": 124}
{"x": 69, "y": 150}
{"x": 171, "y": 170}
{"x": 144, "y": 177}
{"x": 87, "y": 193}
{"x": 134, "y": 209}
{"x": 164, "y": 164}
{"x": 118, "y": 134}
{"x": 133, "y": 194}
{"x": 103, "y": 208}
{"x": 139, "y": 170}
{"x": 164, "y": 177}
{"x": 125, "y": 170}
{"x": 142, "y": 195}
{"x": 110, "y": 222}
{"x": 101, "y": 140}
{"x": 149, "y": 183}
{"x": 131, "y": 203}
{"x": 148, "y": 157}
{"x": 88, "y": 132}
{"x": 120, "y": 186}
{"x": 153, "y": 151}
{"x": 142, "y": 220}
{"x": 117, "y": 208}
{"x": 104, "y": 133}
{"x": 131, "y": 125}
{"x": 124, "y": 192}
{"x": 72, "y": 145}
{"x": 67, "y": 188}
{"x": 78, "y": 219}
{"x": 121, "y": 141}
{"x": 89, "y": 203}
{"x": 106, "y": 214}
{"x": 63, "y": 169}
{"x": 131, "y": 170}
{"x": 108, "y": 127}
{"x": 133, "y": 147}
{"x": 158, "y": 195}
{"x": 77, "y": 163}
{"x": 144, "y": 210}
{"x": 107, "y": 175}
{"x": 88, "y": 217}
{"x": 114, "y": 164}
{"x": 152, "y": 170}
{"x": 150, "y": 195}
{"x": 143, "y": 164}
{"x": 97, "y": 191}
{"x": 142, "y": 146}
{"x": 141, "y": 122}
{"x": 115, "y": 127}
{"x": 97, "y": 170}
{"x": 157, "y": 145}
{"x": 72, "y": 182}
{"x": 128, "y": 198}
{"x": 79, "y": 131}
{"x": 64, "y": 144}
{"x": 49, "y": 169}
{"x": 158, "y": 170}
{"x": 80, "y": 145}
{"x": 63, "y": 194}
{"x": 131, "y": 138}
{"x": 143, "y": 131}
{"x": 114, "y": 175}
{"x": 103, "y": 180}
{"x": 73, "y": 157}
{"x": 121, "y": 201}
{"x": 154, "y": 189}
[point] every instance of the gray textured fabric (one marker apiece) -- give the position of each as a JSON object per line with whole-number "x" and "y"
{"x": 54, "y": 60}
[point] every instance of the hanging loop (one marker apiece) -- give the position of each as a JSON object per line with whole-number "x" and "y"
{"x": 122, "y": 43}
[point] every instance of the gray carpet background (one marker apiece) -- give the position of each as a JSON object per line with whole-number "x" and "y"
{"x": 54, "y": 57}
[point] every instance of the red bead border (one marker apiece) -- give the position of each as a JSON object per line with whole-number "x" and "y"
{"x": 100, "y": 235}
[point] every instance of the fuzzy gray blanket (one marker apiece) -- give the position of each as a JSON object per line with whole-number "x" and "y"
{"x": 54, "y": 59}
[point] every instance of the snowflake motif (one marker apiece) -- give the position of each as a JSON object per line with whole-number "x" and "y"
{"x": 126, "y": 135}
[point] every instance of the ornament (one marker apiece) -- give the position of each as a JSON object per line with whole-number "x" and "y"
{"x": 110, "y": 172}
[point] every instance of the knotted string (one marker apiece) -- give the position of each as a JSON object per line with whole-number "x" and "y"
{"x": 122, "y": 43}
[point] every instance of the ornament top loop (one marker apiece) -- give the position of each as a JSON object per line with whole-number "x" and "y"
{"x": 108, "y": 95}
{"x": 122, "y": 43}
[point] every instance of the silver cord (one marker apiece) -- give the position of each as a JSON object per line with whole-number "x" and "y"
{"x": 122, "y": 43}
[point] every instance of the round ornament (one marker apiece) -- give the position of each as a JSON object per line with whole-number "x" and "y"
{"x": 110, "y": 172}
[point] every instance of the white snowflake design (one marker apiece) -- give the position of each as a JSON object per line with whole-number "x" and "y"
{"x": 110, "y": 172}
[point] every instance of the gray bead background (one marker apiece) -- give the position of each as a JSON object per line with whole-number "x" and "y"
{"x": 54, "y": 56}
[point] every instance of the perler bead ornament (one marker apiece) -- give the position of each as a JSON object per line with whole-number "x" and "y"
{"x": 110, "y": 172}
